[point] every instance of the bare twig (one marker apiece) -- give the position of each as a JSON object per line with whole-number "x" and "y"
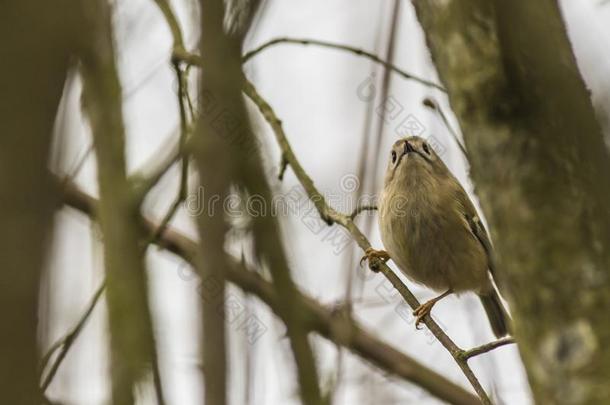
{"x": 360, "y": 209}
{"x": 150, "y": 174}
{"x": 173, "y": 24}
{"x": 66, "y": 342}
{"x": 183, "y": 187}
{"x": 283, "y": 167}
{"x": 467, "y": 354}
{"x": 320, "y": 319}
{"x": 433, "y": 105}
{"x": 351, "y": 49}
{"x": 147, "y": 176}
{"x": 148, "y": 181}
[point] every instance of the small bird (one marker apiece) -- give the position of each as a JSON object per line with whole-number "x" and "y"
{"x": 431, "y": 230}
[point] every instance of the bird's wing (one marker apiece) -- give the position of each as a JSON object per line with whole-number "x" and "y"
{"x": 477, "y": 228}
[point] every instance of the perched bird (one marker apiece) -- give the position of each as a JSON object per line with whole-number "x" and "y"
{"x": 431, "y": 230}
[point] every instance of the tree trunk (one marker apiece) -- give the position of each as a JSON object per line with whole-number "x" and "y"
{"x": 542, "y": 173}
{"x": 131, "y": 336}
{"x": 35, "y": 43}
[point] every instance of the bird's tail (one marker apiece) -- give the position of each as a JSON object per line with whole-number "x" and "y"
{"x": 498, "y": 317}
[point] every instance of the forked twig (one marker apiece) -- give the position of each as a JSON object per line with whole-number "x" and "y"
{"x": 64, "y": 344}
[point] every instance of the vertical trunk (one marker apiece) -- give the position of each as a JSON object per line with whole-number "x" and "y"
{"x": 542, "y": 172}
{"x": 131, "y": 340}
{"x": 35, "y": 43}
{"x": 219, "y": 96}
{"x": 226, "y": 150}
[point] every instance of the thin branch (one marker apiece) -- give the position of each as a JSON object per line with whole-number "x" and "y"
{"x": 145, "y": 181}
{"x": 467, "y": 354}
{"x": 71, "y": 175}
{"x": 347, "y": 48}
{"x": 184, "y": 128}
{"x": 326, "y": 322}
{"x": 186, "y": 57}
{"x": 167, "y": 218}
{"x": 147, "y": 176}
{"x": 172, "y": 22}
{"x": 433, "y": 105}
{"x": 283, "y": 167}
{"x": 66, "y": 342}
{"x": 184, "y": 131}
{"x": 331, "y": 216}
{"x": 360, "y": 209}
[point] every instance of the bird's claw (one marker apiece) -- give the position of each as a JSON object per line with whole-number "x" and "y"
{"x": 422, "y": 311}
{"x": 374, "y": 257}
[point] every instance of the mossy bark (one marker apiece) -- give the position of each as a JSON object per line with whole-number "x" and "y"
{"x": 542, "y": 173}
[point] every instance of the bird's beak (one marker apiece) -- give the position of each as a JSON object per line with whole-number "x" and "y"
{"x": 408, "y": 148}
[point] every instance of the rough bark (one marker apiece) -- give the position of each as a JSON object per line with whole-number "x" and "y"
{"x": 35, "y": 44}
{"x": 542, "y": 173}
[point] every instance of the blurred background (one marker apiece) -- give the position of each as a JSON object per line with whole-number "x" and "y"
{"x": 341, "y": 113}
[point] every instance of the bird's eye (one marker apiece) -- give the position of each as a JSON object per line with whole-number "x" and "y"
{"x": 426, "y": 149}
{"x": 393, "y": 157}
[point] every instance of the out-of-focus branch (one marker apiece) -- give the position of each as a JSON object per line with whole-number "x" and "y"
{"x": 148, "y": 178}
{"x": 145, "y": 181}
{"x": 149, "y": 174}
{"x": 327, "y": 323}
{"x": 357, "y": 51}
{"x": 65, "y": 343}
{"x": 173, "y": 24}
{"x": 132, "y": 343}
{"x": 222, "y": 117}
{"x": 37, "y": 40}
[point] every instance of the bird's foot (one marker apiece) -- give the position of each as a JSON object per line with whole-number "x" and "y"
{"x": 374, "y": 257}
{"x": 423, "y": 310}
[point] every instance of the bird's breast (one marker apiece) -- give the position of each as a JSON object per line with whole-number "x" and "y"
{"x": 430, "y": 243}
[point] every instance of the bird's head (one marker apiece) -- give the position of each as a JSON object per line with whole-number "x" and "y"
{"x": 413, "y": 159}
